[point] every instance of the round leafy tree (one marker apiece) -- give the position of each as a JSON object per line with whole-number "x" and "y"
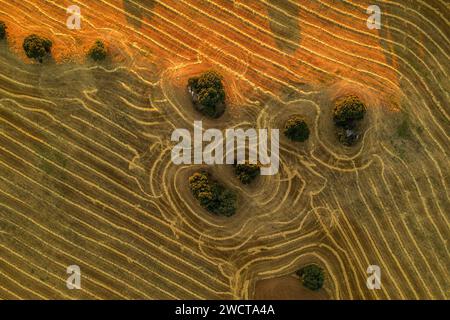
{"x": 37, "y": 47}
{"x": 312, "y": 276}
{"x": 98, "y": 51}
{"x": 208, "y": 93}
{"x": 348, "y": 110}
{"x": 296, "y": 129}
{"x": 247, "y": 172}
{"x": 211, "y": 195}
{"x": 2, "y": 30}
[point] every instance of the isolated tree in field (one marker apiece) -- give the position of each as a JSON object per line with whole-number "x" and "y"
{"x": 312, "y": 276}
{"x": 247, "y": 172}
{"x": 2, "y": 30}
{"x": 98, "y": 51}
{"x": 208, "y": 93}
{"x": 348, "y": 110}
{"x": 37, "y": 47}
{"x": 211, "y": 195}
{"x": 296, "y": 129}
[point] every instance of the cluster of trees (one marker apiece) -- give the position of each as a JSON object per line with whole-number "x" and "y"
{"x": 247, "y": 172}
{"x": 98, "y": 51}
{"x": 347, "y": 113}
{"x": 312, "y": 276}
{"x": 2, "y": 30}
{"x": 296, "y": 129}
{"x": 212, "y": 196}
{"x": 208, "y": 94}
{"x": 37, "y": 47}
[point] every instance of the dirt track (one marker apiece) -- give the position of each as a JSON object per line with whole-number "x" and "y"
{"x": 85, "y": 170}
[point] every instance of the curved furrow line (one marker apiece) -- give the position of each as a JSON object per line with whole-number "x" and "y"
{"x": 112, "y": 249}
{"x": 444, "y": 70}
{"x": 336, "y": 244}
{"x": 399, "y": 243}
{"x": 68, "y": 156}
{"x": 313, "y": 53}
{"x": 262, "y": 44}
{"x": 425, "y": 207}
{"x": 348, "y": 53}
{"x": 361, "y": 253}
{"x": 412, "y": 86}
{"x": 384, "y": 240}
{"x": 81, "y": 262}
{"x": 368, "y": 34}
{"x": 86, "y": 20}
{"x": 399, "y": 238}
{"x": 107, "y": 206}
{"x": 96, "y": 186}
{"x": 83, "y": 249}
{"x": 364, "y": 19}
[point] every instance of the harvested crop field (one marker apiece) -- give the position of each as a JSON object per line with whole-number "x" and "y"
{"x": 86, "y": 176}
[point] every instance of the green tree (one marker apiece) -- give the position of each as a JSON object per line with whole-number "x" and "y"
{"x": 2, "y": 30}
{"x": 347, "y": 110}
{"x": 312, "y": 276}
{"x": 211, "y": 195}
{"x": 37, "y": 47}
{"x": 208, "y": 93}
{"x": 247, "y": 172}
{"x": 296, "y": 129}
{"x": 98, "y": 51}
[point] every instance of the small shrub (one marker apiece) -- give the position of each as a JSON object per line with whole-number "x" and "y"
{"x": 247, "y": 172}
{"x": 37, "y": 47}
{"x": 312, "y": 276}
{"x": 296, "y": 129}
{"x": 2, "y": 30}
{"x": 208, "y": 93}
{"x": 211, "y": 195}
{"x": 348, "y": 110}
{"x": 98, "y": 51}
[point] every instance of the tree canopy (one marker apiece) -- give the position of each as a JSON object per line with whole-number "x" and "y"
{"x": 347, "y": 110}
{"x": 208, "y": 93}
{"x": 2, "y": 30}
{"x": 312, "y": 276}
{"x": 37, "y": 47}
{"x": 247, "y": 172}
{"x": 211, "y": 195}
{"x": 296, "y": 129}
{"x": 98, "y": 51}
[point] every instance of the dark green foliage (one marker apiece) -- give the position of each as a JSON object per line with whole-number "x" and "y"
{"x": 37, "y": 47}
{"x": 312, "y": 276}
{"x": 347, "y": 111}
{"x": 296, "y": 129}
{"x": 211, "y": 195}
{"x": 98, "y": 51}
{"x": 247, "y": 172}
{"x": 208, "y": 93}
{"x": 2, "y": 30}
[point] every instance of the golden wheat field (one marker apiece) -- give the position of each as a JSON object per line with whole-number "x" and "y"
{"x": 86, "y": 176}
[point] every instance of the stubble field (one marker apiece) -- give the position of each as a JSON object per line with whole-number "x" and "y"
{"x": 86, "y": 176}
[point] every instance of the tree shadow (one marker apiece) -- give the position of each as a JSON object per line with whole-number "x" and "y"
{"x": 139, "y": 10}
{"x": 285, "y": 27}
